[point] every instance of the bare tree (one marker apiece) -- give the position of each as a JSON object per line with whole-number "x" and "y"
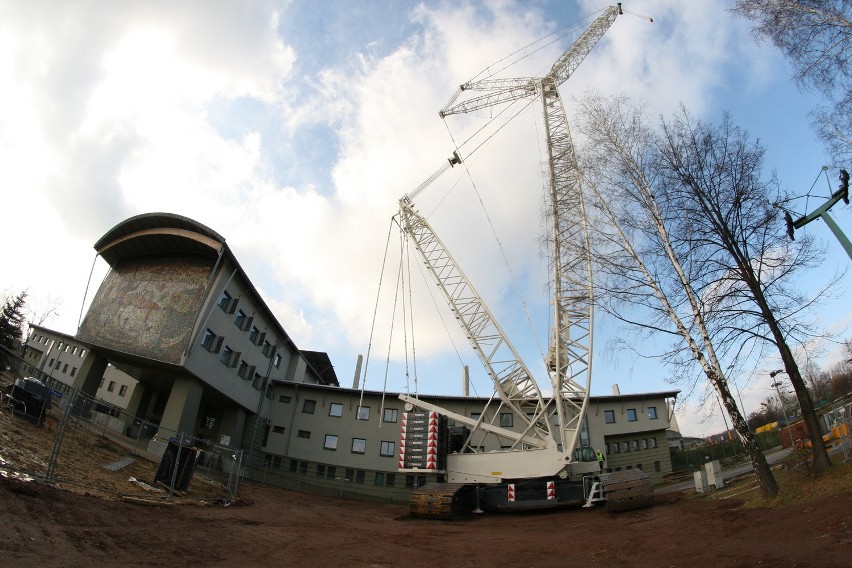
{"x": 816, "y": 36}
{"x": 655, "y": 270}
{"x": 712, "y": 176}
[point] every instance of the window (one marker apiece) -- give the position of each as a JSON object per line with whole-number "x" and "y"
{"x": 227, "y": 303}
{"x": 387, "y": 449}
{"x": 331, "y": 471}
{"x": 625, "y": 447}
{"x": 359, "y": 445}
{"x": 363, "y": 413}
{"x": 634, "y": 445}
{"x": 390, "y": 415}
{"x": 609, "y": 416}
{"x": 506, "y": 420}
{"x": 211, "y": 342}
{"x": 254, "y": 334}
{"x": 284, "y": 398}
{"x": 335, "y": 409}
{"x": 267, "y": 348}
{"x": 243, "y": 370}
{"x": 303, "y": 434}
{"x": 350, "y": 474}
{"x": 229, "y": 357}
{"x": 652, "y": 412}
{"x": 380, "y": 479}
{"x": 359, "y": 476}
{"x": 309, "y": 406}
{"x": 657, "y": 467}
{"x": 320, "y": 470}
{"x": 123, "y": 390}
{"x": 415, "y": 480}
{"x": 73, "y": 371}
{"x": 643, "y": 443}
{"x": 242, "y": 320}
{"x": 65, "y": 368}
{"x": 613, "y": 448}
{"x": 278, "y": 429}
{"x": 50, "y": 364}
{"x": 330, "y": 442}
{"x": 111, "y": 386}
{"x": 653, "y": 442}
{"x": 276, "y": 360}
{"x": 631, "y": 415}
{"x": 475, "y": 415}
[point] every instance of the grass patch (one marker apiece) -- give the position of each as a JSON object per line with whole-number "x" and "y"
{"x": 800, "y": 487}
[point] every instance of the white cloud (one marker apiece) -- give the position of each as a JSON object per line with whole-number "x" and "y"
{"x": 111, "y": 113}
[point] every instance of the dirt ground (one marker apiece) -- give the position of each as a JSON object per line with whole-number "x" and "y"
{"x": 73, "y": 524}
{"x": 43, "y": 526}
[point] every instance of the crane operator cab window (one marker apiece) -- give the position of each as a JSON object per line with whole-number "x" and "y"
{"x": 585, "y": 454}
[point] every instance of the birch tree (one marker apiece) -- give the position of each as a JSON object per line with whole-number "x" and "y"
{"x": 662, "y": 267}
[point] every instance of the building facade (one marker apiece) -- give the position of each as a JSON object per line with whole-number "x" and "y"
{"x": 178, "y": 337}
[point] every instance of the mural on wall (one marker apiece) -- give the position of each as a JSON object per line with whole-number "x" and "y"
{"x": 147, "y": 307}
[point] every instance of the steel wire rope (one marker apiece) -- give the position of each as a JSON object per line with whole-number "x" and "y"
{"x": 440, "y": 316}
{"x": 411, "y": 318}
{"x": 401, "y": 285}
{"x": 376, "y": 310}
{"x": 390, "y": 336}
{"x": 563, "y": 32}
{"x": 808, "y": 195}
{"x": 513, "y": 278}
{"x": 402, "y": 245}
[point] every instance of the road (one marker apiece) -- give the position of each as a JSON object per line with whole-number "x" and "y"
{"x": 774, "y": 456}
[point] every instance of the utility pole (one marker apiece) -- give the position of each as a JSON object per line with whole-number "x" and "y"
{"x": 822, "y": 212}
{"x": 777, "y": 385}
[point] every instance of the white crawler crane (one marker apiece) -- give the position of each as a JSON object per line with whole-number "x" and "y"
{"x": 544, "y": 464}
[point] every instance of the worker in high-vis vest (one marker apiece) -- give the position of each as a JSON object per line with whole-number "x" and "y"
{"x": 600, "y": 458}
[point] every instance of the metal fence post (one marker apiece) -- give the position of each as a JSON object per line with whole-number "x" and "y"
{"x": 57, "y": 441}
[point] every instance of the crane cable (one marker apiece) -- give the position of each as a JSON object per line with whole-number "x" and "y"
{"x": 376, "y": 310}
{"x": 560, "y": 34}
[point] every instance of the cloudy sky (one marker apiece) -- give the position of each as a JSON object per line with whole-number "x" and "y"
{"x": 293, "y": 128}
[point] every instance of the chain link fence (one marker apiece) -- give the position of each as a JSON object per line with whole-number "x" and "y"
{"x": 78, "y": 442}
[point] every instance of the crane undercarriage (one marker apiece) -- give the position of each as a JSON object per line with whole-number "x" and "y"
{"x": 621, "y": 491}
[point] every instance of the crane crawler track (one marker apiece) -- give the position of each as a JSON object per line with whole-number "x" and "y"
{"x": 442, "y": 500}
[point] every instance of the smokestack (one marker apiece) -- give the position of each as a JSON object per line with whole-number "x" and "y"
{"x": 615, "y": 390}
{"x": 357, "y": 377}
{"x": 466, "y": 381}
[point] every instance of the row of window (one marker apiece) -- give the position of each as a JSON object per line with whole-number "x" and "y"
{"x": 626, "y": 446}
{"x": 657, "y": 467}
{"x": 64, "y": 369}
{"x": 380, "y": 478}
{"x": 335, "y": 409}
{"x": 111, "y": 387}
{"x": 233, "y": 359}
{"x": 245, "y": 322}
{"x": 61, "y": 347}
{"x": 387, "y": 449}
{"x": 632, "y": 416}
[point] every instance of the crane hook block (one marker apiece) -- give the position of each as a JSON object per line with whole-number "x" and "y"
{"x": 455, "y": 159}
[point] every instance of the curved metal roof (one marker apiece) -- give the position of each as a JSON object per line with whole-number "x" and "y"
{"x": 154, "y": 233}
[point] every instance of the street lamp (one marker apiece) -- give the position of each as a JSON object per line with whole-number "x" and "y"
{"x": 777, "y": 384}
